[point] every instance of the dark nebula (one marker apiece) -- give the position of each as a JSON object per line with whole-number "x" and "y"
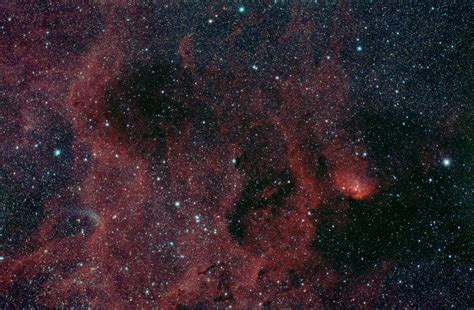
{"x": 249, "y": 155}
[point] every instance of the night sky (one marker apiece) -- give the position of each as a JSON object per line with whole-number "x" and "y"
{"x": 238, "y": 154}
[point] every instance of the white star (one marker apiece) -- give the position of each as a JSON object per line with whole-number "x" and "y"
{"x": 446, "y": 162}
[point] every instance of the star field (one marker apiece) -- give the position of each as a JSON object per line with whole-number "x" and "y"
{"x": 247, "y": 155}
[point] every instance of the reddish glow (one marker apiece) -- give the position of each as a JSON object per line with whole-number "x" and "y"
{"x": 145, "y": 248}
{"x": 354, "y": 185}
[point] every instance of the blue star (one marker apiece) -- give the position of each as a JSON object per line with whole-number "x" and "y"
{"x": 57, "y": 152}
{"x": 241, "y": 9}
{"x": 359, "y": 48}
{"x": 197, "y": 218}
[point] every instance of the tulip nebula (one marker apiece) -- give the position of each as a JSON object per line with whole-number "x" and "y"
{"x": 248, "y": 155}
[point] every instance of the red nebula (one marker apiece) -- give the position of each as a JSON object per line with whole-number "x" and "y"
{"x": 354, "y": 185}
{"x": 158, "y": 210}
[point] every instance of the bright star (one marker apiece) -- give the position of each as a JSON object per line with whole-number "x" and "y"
{"x": 197, "y": 219}
{"x": 446, "y": 162}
